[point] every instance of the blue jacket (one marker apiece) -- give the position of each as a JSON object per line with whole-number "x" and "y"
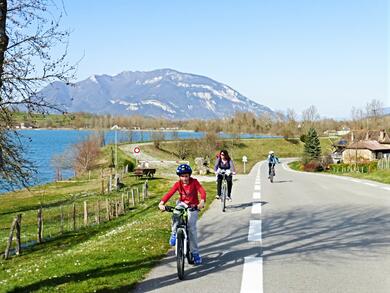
{"x": 272, "y": 159}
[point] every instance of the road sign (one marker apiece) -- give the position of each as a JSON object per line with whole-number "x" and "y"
{"x": 244, "y": 159}
{"x": 137, "y": 151}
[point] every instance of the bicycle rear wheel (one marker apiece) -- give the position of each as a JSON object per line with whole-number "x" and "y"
{"x": 180, "y": 253}
{"x": 190, "y": 258}
{"x": 271, "y": 176}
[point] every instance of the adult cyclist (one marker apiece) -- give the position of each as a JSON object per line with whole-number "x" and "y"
{"x": 272, "y": 160}
{"x": 224, "y": 163}
{"x": 189, "y": 189}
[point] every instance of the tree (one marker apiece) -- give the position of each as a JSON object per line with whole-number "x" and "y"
{"x": 374, "y": 111}
{"x": 312, "y": 149}
{"x": 86, "y": 154}
{"x": 29, "y": 33}
{"x": 309, "y": 116}
{"x": 62, "y": 162}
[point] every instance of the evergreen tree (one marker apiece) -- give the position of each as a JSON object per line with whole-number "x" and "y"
{"x": 312, "y": 150}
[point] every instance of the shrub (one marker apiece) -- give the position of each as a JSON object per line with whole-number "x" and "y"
{"x": 313, "y": 166}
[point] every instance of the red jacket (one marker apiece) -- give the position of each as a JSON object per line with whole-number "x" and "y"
{"x": 188, "y": 193}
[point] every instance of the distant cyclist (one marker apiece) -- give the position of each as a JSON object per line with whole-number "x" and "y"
{"x": 224, "y": 163}
{"x": 188, "y": 189}
{"x": 272, "y": 160}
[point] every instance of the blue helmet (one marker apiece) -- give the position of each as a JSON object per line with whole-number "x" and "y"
{"x": 183, "y": 169}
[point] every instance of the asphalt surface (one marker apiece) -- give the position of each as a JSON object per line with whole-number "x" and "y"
{"x": 320, "y": 233}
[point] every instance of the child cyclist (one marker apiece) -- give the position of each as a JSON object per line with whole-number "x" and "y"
{"x": 188, "y": 189}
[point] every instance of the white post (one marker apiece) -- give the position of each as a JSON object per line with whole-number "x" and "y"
{"x": 116, "y": 160}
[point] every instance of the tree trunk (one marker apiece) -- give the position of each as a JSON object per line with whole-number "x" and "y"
{"x": 3, "y": 37}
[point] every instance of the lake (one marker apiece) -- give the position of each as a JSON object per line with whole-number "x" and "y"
{"x": 42, "y": 144}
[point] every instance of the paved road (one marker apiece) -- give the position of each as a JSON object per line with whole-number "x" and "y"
{"x": 318, "y": 233}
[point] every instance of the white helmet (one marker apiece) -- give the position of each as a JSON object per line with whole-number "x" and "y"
{"x": 271, "y": 152}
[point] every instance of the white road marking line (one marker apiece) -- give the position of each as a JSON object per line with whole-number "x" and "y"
{"x": 256, "y": 208}
{"x": 256, "y": 195}
{"x": 257, "y": 187}
{"x": 254, "y": 231}
{"x": 252, "y": 275}
{"x": 370, "y": 184}
{"x": 386, "y": 188}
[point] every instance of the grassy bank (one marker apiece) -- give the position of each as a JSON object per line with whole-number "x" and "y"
{"x": 255, "y": 150}
{"x": 112, "y": 256}
{"x": 382, "y": 176}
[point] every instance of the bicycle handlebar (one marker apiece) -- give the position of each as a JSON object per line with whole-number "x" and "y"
{"x": 171, "y": 208}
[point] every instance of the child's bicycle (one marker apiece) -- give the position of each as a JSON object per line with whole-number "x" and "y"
{"x": 182, "y": 247}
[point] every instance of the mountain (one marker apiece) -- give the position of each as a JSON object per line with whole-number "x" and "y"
{"x": 386, "y": 111}
{"x": 160, "y": 93}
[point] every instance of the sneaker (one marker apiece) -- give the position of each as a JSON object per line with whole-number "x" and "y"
{"x": 217, "y": 196}
{"x": 229, "y": 198}
{"x": 197, "y": 258}
{"x": 172, "y": 240}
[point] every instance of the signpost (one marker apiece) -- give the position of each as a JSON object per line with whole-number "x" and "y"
{"x": 244, "y": 160}
{"x": 136, "y": 152}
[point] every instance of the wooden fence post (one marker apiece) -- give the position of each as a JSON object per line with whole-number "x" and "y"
{"x": 123, "y": 204}
{"x": 116, "y": 208}
{"x": 139, "y": 199}
{"x": 74, "y": 216}
{"x": 132, "y": 197}
{"x": 62, "y": 219}
{"x": 40, "y": 224}
{"x": 108, "y": 209}
{"x": 18, "y": 228}
{"x": 11, "y": 234}
{"x": 98, "y": 212}
{"x": 85, "y": 213}
{"x": 102, "y": 179}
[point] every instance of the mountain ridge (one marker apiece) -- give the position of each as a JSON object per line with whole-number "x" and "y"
{"x": 163, "y": 93}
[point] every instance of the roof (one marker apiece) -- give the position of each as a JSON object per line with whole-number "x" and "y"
{"x": 379, "y": 135}
{"x": 372, "y": 145}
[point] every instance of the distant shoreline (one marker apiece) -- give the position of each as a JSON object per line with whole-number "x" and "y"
{"x": 108, "y": 129}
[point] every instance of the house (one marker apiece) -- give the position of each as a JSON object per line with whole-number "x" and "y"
{"x": 363, "y": 146}
{"x": 365, "y": 150}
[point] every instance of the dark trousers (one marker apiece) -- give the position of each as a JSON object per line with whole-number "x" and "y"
{"x": 229, "y": 180}
{"x": 269, "y": 167}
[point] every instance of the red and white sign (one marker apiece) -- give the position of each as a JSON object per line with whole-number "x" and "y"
{"x": 137, "y": 151}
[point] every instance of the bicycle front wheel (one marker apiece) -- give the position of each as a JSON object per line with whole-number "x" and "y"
{"x": 180, "y": 253}
{"x": 224, "y": 195}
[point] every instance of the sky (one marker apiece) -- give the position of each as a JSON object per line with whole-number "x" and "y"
{"x": 332, "y": 54}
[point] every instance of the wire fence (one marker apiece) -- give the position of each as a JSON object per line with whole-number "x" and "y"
{"x": 36, "y": 226}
